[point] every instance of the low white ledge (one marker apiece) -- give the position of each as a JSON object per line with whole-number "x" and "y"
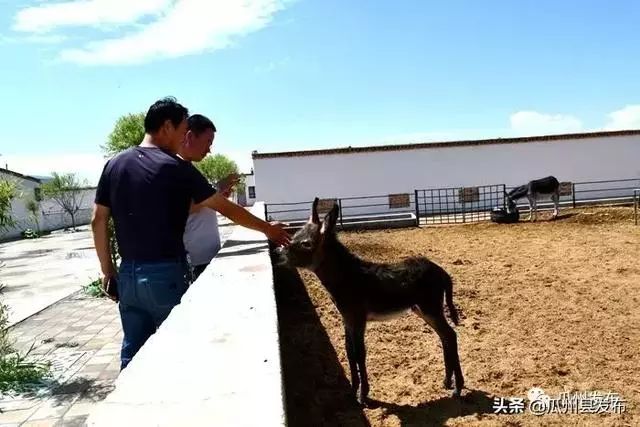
{"x": 215, "y": 361}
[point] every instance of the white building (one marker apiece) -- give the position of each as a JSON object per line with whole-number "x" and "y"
{"x": 248, "y": 197}
{"x": 50, "y": 214}
{"x": 394, "y": 172}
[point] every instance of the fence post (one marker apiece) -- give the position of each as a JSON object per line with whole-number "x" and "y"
{"x": 573, "y": 194}
{"x": 504, "y": 199}
{"x": 340, "y": 206}
{"x": 636, "y": 201}
{"x": 417, "y": 209}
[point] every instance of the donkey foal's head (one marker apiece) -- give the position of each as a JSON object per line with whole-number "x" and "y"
{"x": 308, "y": 246}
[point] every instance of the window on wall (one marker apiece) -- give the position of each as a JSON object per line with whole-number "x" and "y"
{"x": 469, "y": 195}
{"x": 399, "y": 201}
{"x": 252, "y": 192}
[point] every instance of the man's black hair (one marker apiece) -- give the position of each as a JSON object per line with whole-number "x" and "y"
{"x": 199, "y": 123}
{"x": 163, "y": 110}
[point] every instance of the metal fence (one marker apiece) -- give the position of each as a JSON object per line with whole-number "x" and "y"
{"x": 454, "y": 204}
{"x": 617, "y": 191}
{"x": 458, "y": 204}
{"x": 636, "y": 204}
{"x": 613, "y": 191}
{"x": 352, "y": 209}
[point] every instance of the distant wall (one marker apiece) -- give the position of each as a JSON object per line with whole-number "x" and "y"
{"x": 50, "y": 215}
{"x": 300, "y": 178}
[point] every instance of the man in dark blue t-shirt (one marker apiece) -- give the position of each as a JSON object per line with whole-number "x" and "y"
{"x": 148, "y": 190}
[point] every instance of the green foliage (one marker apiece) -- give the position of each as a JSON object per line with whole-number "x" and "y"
{"x": 30, "y": 234}
{"x": 94, "y": 288}
{"x": 217, "y": 167}
{"x": 66, "y": 191}
{"x": 8, "y": 191}
{"x": 113, "y": 243}
{"x": 33, "y": 206}
{"x": 16, "y": 372}
{"x": 127, "y": 132}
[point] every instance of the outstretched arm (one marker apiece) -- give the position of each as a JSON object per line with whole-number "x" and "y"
{"x": 241, "y": 216}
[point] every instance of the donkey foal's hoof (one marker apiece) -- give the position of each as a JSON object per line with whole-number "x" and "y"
{"x": 448, "y": 384}
{"x": 456, "y": 393}
{"x": 364, "y": 402}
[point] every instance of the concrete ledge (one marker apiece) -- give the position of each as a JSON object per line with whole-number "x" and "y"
{"x": 216, "y": 359}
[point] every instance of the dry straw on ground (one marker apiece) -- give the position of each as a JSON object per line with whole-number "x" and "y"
{"x": 552, "y": 304}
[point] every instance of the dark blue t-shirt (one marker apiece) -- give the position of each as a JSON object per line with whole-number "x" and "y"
{"x": 149, "y": 192}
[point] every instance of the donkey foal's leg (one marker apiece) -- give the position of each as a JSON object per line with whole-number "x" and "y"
{"x": 356, "y": 331}
{"x": 449, "y": 342}
{"x": 351, "y": 355}
{"x": 448, "y": 369}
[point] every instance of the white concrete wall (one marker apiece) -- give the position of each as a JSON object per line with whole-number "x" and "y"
{"x": 250, "y": 181}
{"x": 51, "y": 216}
{"x": 215, "y": 361}
{"x": 293, "y": 179}
{"x": 244, "y": 198}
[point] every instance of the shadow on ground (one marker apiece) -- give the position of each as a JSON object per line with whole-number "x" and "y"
{"x": 438, "y": 412}
{"x": 316, "y": 389}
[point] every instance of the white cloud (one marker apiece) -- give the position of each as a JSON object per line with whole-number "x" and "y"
{"x": 49, "y": 16}
{"x": 35, "y": 39}
{"x": 534, "y": 123}
{"x": 87, "y": 166}
{"x": 625, "y": 118}
{"x": 177, "y": 28}
{"x": 45, "y": 39}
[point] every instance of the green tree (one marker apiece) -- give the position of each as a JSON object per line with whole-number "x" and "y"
{"x": 127, "y": 132}
{"x": 217, "y": 167}
{"x": 67, "y": 191}
{"x": 33, "y": 206}
{"x": 8, "y": 191}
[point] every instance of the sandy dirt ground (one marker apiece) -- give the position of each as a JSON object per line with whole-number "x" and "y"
{"x": 553, "y": 304}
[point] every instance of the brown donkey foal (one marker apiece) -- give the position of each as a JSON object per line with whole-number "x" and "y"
{"x": 365, "y": 291}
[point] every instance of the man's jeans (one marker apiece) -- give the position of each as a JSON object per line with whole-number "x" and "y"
{"x": 148, "y": 292}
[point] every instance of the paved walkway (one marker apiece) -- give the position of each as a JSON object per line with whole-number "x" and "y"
{"x": 38, "y": 272}
{"x": 80, "y": 335}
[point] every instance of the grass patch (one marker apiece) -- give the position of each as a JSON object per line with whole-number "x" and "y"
{"x": 17, "y": 373}
{"x": 94, "y": 289}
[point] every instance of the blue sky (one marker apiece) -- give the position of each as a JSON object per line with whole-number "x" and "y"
{"x": 281, "y": 75}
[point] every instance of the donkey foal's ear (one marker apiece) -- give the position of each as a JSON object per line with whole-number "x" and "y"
{"x": 314, "y": 218}
{"x": 329, "y": 223}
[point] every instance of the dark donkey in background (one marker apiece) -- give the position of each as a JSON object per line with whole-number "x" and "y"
{"x": 363, "y": 291}
{"x": 533, "y": 191}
